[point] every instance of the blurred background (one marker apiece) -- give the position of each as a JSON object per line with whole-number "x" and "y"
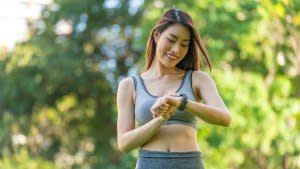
{"x": 61, "y": 61}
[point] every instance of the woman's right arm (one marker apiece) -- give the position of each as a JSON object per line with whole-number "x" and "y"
{"x": 128, "y": 136}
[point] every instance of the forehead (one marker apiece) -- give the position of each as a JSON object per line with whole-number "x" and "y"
{"x": 178, "y": 30}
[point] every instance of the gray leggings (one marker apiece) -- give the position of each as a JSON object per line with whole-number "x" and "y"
{"x": 169, "y": 160}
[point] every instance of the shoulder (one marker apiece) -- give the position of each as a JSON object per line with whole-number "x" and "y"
{"x": 126, "y": 83}
{"x": 202, "y": 76}
{"x": 126, "y": 88}
{"x": 202, "y": 80}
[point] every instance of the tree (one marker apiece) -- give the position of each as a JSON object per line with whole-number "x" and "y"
{"x": 58, "y": 85}
{"x": 58, "y": 88}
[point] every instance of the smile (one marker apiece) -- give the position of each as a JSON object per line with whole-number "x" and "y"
{"x": 171, "y": 57}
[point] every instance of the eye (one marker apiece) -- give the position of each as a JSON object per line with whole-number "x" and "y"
{"x": 184, "y": 45}
{"x": 170, "y": 40}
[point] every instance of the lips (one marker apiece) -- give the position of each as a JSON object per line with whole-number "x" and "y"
{"x": 171, "y": 57}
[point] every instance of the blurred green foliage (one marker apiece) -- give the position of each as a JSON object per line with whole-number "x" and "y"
{"x": 22, "y": 160}
{"x": 57, "y": 98}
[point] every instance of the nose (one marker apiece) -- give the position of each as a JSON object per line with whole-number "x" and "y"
{"x": 175, "y": 48}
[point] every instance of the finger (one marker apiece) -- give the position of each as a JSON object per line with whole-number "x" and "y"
{"x": 153, "y": 113}
{"x": 156, "y": 114}
{"x": 165, "y": 106}
{"x": 164, "y": 99}
{"x": 162, "y": 112}
{"x": 175, "y": 94}
{"x": 172, "y": 111}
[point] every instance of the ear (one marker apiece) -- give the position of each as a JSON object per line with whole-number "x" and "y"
{"x": 156, "y": 36}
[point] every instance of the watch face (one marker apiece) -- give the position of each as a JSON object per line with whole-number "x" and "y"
{"x": 183, "y": 101}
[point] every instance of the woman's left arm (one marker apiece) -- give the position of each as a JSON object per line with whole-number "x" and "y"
{"x": 213, "y": 110}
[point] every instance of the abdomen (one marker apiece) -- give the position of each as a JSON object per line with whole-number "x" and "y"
{"x": 173, "y": 138}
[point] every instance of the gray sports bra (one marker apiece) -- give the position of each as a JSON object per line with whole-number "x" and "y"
{"x": 144, "y": 100}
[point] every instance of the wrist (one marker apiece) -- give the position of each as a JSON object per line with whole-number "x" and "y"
{"x": 183, "y": 102}
{"x": 174, "y": 100}
{"x": 161, "y": 119}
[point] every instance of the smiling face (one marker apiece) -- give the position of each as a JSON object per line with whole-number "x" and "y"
{"x": 172, "y": 45}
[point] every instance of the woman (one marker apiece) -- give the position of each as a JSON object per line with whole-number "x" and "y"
{"x": 167, "y": 97}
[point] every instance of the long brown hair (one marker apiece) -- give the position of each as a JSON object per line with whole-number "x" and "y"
{"x": 193, "y": 59}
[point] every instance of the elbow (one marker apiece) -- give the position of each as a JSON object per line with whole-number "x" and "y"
{"x": 227, "y": 120}
{"x": 122, "y": 147}
{"x": 226, "y": 124}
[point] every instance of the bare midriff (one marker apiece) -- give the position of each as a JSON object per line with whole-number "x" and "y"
{"x": 173, "y": 138}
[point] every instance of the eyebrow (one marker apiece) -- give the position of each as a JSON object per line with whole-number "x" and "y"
{"x": 174, "y": 36}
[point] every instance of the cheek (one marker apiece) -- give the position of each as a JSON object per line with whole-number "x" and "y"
{"x": 163, "y": 46}
{"x": 184, "y": 52}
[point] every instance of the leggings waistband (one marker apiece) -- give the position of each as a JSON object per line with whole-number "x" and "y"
{"x": 148, "y": 153}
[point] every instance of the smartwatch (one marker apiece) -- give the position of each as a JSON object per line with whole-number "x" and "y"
{"x": 183, "y": 102}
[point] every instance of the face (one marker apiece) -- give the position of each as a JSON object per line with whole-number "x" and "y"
{"x": 172, "y": 45}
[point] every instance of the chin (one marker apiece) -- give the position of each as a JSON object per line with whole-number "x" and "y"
{"x": 169, "y": 65}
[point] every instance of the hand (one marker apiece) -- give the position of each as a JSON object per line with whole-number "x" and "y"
{"x": 165, "y": 106}
{"x": 160, "y": 107}
{"x": 174, "y": 99}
